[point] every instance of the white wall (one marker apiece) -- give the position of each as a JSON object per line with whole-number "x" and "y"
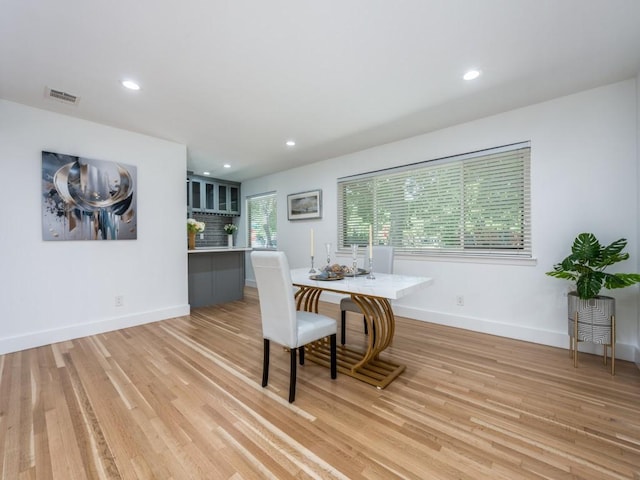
{"x": 53, "y": 291}
{"x": 584, "y": 178}
{"x": 637, "y": 355}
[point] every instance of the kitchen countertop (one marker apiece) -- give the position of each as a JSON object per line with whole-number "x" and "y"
{"x": 219, "y": 249}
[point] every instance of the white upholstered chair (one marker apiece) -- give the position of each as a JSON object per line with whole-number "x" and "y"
{"x": 281, "y": 322}
{"x": 382, "y": 263}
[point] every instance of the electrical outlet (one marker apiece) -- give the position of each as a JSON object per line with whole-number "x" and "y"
{"x": 202, "y": 236}
{"x": 460, "y": 300}
{"x": 119, "y": 301}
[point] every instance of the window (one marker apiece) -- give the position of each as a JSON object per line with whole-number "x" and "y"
{"x": 261, "y": 215}
{"x": 473, "y": 204}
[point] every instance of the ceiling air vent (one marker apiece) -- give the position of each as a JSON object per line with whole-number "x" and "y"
{"x": 61, "y": 96}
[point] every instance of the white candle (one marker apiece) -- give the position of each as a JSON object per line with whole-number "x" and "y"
{"x": 312, "y": 242}
{"x": 370, "y": 241}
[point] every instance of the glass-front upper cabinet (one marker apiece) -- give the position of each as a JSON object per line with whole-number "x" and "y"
{"x": 222, "y": 198}
{"x": 210, "y": 195}
{"x": 194, "y": 197}
{"x": 234, "y": 199}
{"x": 229, "y": 198}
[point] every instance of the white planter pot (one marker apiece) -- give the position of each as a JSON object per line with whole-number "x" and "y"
{"x": 592, "y": 320}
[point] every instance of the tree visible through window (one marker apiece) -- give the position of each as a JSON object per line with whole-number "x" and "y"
{"x": 471, "y": 204}
{"x": 261, "y": 216}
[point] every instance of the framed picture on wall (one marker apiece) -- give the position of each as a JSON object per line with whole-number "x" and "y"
{"x": 304, "y": 205}
{"x": 87, "y": 199}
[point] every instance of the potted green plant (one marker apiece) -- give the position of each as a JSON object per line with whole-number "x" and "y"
{"x": 591, "y": 315}
{"x": 587, "y": 262}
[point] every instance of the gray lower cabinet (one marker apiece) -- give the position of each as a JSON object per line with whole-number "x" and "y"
{"x": 216, "y": 277}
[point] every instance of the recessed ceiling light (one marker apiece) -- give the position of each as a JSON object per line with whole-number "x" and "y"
{"x": 206, "y": 173}
{"x": 130, "y": 84}
{"x": 471, "y": 75}
{"x": 226, "y": 165}
{"x": 291, "y": 143}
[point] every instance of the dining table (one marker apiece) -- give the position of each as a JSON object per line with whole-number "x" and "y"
{"x": 373, "y": 296}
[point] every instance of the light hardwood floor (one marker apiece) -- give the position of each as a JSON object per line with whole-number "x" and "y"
{"x": 181, "y": 399}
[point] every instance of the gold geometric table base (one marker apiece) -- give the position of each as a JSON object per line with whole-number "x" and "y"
{"x": 364, "y": 365}
{"x": 378, "y": 373}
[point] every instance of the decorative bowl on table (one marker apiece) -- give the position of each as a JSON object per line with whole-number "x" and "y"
{"x": 349, "y": 272}
{"x": 327, "y": 276}
{"x": 337, "y": 272}
{"x": 346, "y": 270}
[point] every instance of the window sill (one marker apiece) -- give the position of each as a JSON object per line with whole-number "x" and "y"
{"x": 453, "y": 258}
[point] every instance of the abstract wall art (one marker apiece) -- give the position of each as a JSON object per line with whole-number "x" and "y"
{"x": 86, "y": 199}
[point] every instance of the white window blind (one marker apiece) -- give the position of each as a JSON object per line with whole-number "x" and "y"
{"x": 261, "y": 218}
{"x": 471, "y": 204}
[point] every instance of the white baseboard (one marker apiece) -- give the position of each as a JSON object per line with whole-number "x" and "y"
{"x": 624, "y": 351}
{"x": 544, "y": 337}
{"x": 46, "y": 337}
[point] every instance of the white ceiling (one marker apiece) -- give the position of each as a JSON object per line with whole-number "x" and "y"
{"x": 235, "y": 79}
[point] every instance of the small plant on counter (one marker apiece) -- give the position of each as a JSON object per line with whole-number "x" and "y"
{"x": 194, "y": 226}
{"x": 230, "y": 228}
